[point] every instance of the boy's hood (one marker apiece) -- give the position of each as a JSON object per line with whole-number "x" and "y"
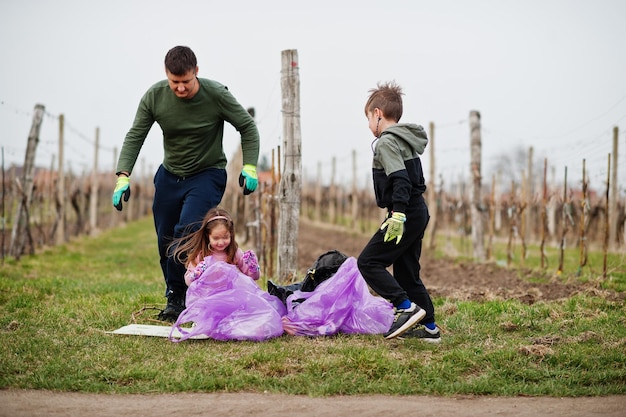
{"x": 411, "y": 133}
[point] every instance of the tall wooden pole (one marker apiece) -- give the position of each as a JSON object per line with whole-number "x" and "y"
{"x": 355, "y": 199}
{"x": 492, "y": 210}
{"x": 432, "y": 192}
{"x": 544, "y": 214}
{"x": 605, "y": 247}
{"x": 565, "y": 226}
{"x": 497, "y": 218}
{"x": 2, "y": 251}
{"x": 528, "y": 198}
{"x": 93, "y": 200}
{"x": 523, "y": 206}
{"x": 613, "y": 214}
{"x": 476, "y": 204}
{"x": 290, "y": 184}
{"x": 332, "y": 197}
{"x": 20, "y": 225}
{"x": 60, "y": 231}
{"x": 582, "y": 261}
{"x": 318, "y": 193}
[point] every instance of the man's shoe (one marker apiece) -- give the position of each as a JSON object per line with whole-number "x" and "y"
{"x": 424, "y": 334}
{"x": 175, "y": 306}
{"x": 404, "y": 320}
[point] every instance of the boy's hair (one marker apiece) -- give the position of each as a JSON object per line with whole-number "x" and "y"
{"x": 180, "y": 60}
{"x": 388, "y": 98}
{"x": 196, "y": 244}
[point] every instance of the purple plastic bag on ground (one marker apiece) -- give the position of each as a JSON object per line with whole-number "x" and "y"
{"x": 341, "y": 304}
{"x": 225, "y": 304}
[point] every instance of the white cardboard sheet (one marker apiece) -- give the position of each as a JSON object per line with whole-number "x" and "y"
{"x": 150, "y": 330}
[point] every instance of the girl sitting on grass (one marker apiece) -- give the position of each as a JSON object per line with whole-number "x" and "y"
{"x": 222, "y": 301}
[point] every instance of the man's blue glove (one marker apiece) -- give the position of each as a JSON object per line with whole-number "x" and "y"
{"x": 122, "y": 188}
{"x": 394, "y": 226}
{"x": 249, "y": 178}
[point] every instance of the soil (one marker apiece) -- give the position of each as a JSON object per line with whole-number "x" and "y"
{"x": 454, "y": 279}
{"x": 444, "y": 278}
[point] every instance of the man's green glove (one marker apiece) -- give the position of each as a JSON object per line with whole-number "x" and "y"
{"x": 122, "y": 188}
{"x": 394, "y": 226}
{"x": 249, "y": 178}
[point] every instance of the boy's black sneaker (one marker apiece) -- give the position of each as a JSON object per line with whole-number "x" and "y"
{"x": 404, "y": 320}
{"x": 422, "y": 333}
{"x": 175, "y": 306}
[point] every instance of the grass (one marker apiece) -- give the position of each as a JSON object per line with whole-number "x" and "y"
{"x": 56, "y": 307}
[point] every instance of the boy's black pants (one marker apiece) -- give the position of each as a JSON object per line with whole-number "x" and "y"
{"x": 405, "y": 282}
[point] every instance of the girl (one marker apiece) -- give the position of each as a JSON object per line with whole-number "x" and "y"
{"x": 215, "y": 239}
{"x": 221, "y": 301}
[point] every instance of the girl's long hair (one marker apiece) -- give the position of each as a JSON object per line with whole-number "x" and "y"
{"x": 195, "y": 245}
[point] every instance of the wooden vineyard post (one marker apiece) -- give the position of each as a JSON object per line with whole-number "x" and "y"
{"x": 476, "y": 204}
{"x": 21, "y": 228}
{"x": 512, "y": 225}
{"x": 566, "y": 209}
{"x": 332, "y": 196}
{"x": 613, "y": 214}
{"x": 605, "y": 247}
{"x": 544, "y": 214}
{"x": 3, "y": 206}
{"x": 522, "y": 209}
{"x": 60, "y": 222}
{"x": 93, "y": 199}
{"x": 584, "y": 209}
{"x": 354, "y": 208}
{"x": 290, "y": 183}
{"x": 492, "y": 205}
{"x": 529, "y": 192}
{"x": 318, "y": 194}
{"x": 431, "y": 190}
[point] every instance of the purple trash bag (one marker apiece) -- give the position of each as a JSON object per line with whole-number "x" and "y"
{"x": 341, "y": 304}
{"x": 225, "y": 304}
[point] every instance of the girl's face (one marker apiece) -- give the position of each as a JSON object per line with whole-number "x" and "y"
{"x": 219, "y": 238}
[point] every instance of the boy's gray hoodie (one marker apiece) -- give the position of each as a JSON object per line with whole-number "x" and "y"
{"x": 397, "y": 169}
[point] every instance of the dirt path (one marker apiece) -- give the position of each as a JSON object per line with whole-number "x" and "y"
{"x": 49, "y": 404}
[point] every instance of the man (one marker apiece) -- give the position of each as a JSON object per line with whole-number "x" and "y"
{"x": 191, "y": 112}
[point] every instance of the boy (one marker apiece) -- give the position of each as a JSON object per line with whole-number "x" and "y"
{"x": 399, "y": 186}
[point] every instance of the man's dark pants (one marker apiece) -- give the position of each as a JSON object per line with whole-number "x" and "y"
{"x": 180, "y": 204}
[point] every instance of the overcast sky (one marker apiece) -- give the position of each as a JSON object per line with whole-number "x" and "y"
{"x": 550, "y": 74}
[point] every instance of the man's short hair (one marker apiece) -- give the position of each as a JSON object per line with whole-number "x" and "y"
{"x": 180, "y": 60}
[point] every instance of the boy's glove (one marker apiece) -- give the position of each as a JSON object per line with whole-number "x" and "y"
{"x": 122, "y": 188}
{"x": 395, "y": 227}
{"x": 248, "y": 176}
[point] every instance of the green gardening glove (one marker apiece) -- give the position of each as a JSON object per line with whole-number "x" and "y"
{"x": 394, "y": 226}
{"x": 249, "y": 178}
{"x": 122, "y": 188}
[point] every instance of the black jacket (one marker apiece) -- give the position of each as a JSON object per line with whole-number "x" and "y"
{"x": 397, "y": 170}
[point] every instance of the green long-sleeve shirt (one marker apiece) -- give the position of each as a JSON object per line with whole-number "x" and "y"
{"x": 193, "y": 129}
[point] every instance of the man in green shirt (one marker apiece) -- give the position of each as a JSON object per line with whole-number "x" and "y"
{"x": 191, "y": 112}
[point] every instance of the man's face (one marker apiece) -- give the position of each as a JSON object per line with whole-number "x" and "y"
{"x": 184, "y": 86}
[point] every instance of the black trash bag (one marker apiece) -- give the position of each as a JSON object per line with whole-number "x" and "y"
{"x": 323, "y": 268}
